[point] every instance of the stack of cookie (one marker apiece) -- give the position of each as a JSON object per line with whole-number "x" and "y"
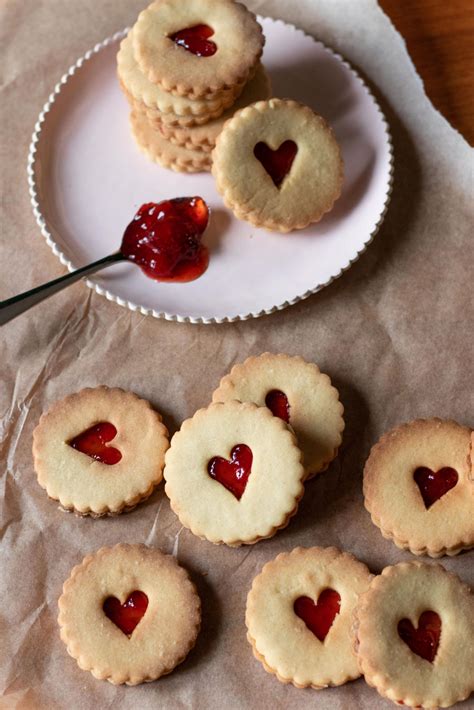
{"x": 185, "y": 69}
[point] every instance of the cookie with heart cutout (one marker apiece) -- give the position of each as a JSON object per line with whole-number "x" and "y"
{"x": 277, "y": 165}
{"x": 297, "y": 392}
{"x": 129, "y": 614}
{"x": 234, "y": 474}
{"x": 199, "y": 48}
{"x": 299, "y": 616}
{"x": 413, "y": 633}
{"x": 100, "y": 451}
{"x": 418, "y": 487}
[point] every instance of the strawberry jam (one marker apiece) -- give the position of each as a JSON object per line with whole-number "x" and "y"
{"x": 434, "y": 484}
{"x": 319, "y": 617}
{"x": 277, "y": 162}
{"x": 233, "y": 474}
{"x": 164, "y": 239}
{"x": 127, "y": 615}
{"x": 93, "y": 442}
{"x": 277, "y": 402}
{"x": 424, "y": 640}
{"x": 196, "y": 40}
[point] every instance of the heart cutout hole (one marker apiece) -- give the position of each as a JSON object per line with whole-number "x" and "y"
{"x": 196, "y": 40}
{"x": 233, "y": 474}
{"x": 277, "y": 162}
{"x": 127, "y": 615}
{"x": 434, "y": 485}
{"x": 319, "y": 616}
{"x": 277, "y": 403}
{"x": 424, "y": 640}
{"x": 93, "y": 442}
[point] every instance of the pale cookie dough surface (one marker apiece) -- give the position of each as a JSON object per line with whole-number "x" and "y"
{"x": 88, "y": 486}
{"x": 393, "y": 497}
{"x": 237, "y": 34}
{"x": 281, "y": 640}
{"x": 155, "y": 97}
{"x": 274, "y": 487}
{"x": 313, "y": 182}
{"x": 316, "y": 414}
{"x": 405, "y": 591}
{"x": 159, "y": 150}
{"x": 164, "y": 635}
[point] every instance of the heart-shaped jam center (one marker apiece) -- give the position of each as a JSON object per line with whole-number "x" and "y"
{"x": 196, "y": 40}
{"x": 235, "y": 473}
{"x": 434, "y": 484}
{"x": 127, "y": 615}
{"x": 319, "y": 617}
{"x": 424, "y": 640}
{"x": 277, "y": 162}
{"x": 277, "y": 402}
{"x": 93, "y": 442}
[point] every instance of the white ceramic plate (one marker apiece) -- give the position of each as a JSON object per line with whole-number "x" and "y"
{"x": 87, "y": 179}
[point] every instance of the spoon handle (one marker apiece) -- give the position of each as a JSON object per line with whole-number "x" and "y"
{"x": 12, "y": 307}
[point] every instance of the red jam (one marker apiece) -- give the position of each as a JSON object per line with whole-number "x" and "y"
{"x": 424, "y": 640}
{"x": 196, "y": 40}
{"x": 434, "y": 484}
{"x": 126, "y": 616}
{"x": 164, "y": 239}
{"x": 319, "y": 617}
{"x": 93, "y": 442}
{"x": 235, "y": 473}
{"x": 277, "y": 162}
{"x": 277, "y": 402}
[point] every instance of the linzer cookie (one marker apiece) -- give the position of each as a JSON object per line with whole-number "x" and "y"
{"x": 277, "y": 165}
{"x": 158, "y": 149}
{"x": 297, "y": 392}
{"x": 100, "y": 451}
{"x": 234, "y": 473}
{"x": 197, "y": 48}
{"x": 129, "y": 614}
{"x": 299, "y": 616}
{"x": 418, "y": 489}
{"x": 414, "y": 631}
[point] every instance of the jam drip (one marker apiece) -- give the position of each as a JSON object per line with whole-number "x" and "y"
{"x": 233, "y": 474}
{"x": 277, "y": 162}
{"x": 126, "y": 616}
{"x": 319, "y": 617}
{"x": 196, "y": 40}
{"x": 434, "y": 484}
{"x": 164, "y": 239}
{"x": 277, "y": 402}
{"x": 424, "y": 640}
{"x": 93, "y": 442}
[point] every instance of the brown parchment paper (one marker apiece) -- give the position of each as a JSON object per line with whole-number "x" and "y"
{"x": 394, "y": 333}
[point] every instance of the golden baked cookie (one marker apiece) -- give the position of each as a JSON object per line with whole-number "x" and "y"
{"x": 414, "y": 631}
{"x": 100, "y": 451}
{"x": 418, "y": 490}
{"x": 158, "y": 149}
{"x": 204, "y": 136}
{"x": 129, "y": 614}
{"x": 297, "y": 392}
{"x": 277, "y": 165}
{"x": 159, "y": 119}
{"x": 234, "y": 474}
{"x": 197, "y": 48}
{"x": 299, "y": 616}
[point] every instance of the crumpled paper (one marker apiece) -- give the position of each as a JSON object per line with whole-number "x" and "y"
{"x": 392, "y": 333}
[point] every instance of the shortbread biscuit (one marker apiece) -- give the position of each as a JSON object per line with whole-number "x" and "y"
{"x": 204, "y": 137}
{"x": 154, "y": 97}
{"x": 418, "y": 490}
{"x": 158, "y": 119}
{"x": 299, "y": 616}
{"x": 161, "y": 151}
{"x": 100, "y": 451}
{"x": 234, "y": 473}
{"x": 414, "y": 631}
{"x": 129, "y": 614}
{"x": 297, "y": 391}
{"x": 277, "y": 165}
{"x": 237, "y": 36}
